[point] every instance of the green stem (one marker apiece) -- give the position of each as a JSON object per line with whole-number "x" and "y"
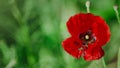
{"x": 88, "y": 6}
{"x": 118, "y": 62}
{"x": 117, "y": 13}
{"x": 97, "y": 66}
{"x": 103, "y": 61}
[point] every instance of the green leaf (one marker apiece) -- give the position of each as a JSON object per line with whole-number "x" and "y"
{"x": 27, "y": 9}
{"x": 22, "y": 35}
{"x": 5, "y": 50}
{"x": 16, "y": 13}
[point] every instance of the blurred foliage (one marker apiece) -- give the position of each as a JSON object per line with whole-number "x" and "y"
{"x": 31, "y": 32}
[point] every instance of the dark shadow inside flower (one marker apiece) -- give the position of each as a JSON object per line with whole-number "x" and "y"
{"x": 87, "y": 37}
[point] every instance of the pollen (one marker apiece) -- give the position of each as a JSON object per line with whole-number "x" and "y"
{"x": 87, "y": 37}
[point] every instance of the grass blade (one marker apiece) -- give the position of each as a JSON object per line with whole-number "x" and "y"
{"x": 118, "y": 64}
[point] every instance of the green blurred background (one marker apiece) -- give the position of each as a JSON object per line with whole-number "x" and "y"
{"x": 31, "y": 32}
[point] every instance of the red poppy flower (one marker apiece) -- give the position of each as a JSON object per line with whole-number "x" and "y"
{"x": 88, "y": 34}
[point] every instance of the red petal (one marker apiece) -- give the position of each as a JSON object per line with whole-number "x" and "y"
{"x": 80, "y": 23}
{"x": 103, "y": 32}
{"x": 93, "y": 53}
{"x": 72, "y": 47}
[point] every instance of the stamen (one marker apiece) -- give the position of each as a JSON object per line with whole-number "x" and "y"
{"x": 80, "y": 48}
{"x": 87, "y": 37}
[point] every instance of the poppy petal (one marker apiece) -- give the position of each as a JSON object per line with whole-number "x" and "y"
{"x": 93, "y": 53}
{"x": 80, "y": 23}
{"x": 103, "y": 32}
{"x": 72, "y": 46}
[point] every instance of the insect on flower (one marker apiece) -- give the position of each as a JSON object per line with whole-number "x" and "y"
{"x": 88, "y": 34}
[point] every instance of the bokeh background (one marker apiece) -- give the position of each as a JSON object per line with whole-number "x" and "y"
{"x": 31, "y": 32}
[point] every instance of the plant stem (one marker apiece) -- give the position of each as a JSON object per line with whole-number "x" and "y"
{"x": 88, "y": 6}
{"x": 103, "y": 61}
{"x": 118, "y": 63}
{"x": 117, "y": 13}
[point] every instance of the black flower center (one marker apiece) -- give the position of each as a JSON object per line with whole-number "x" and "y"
{"x": 87, "y": 37}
